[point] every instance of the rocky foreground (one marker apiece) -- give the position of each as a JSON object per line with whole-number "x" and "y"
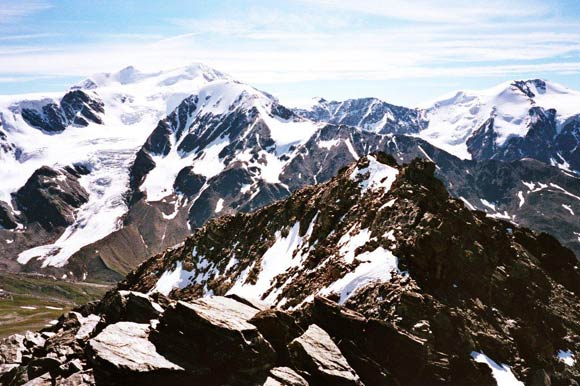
{"x": 376, "y": 277}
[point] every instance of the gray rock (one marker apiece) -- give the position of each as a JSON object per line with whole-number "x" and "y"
{"x": 38, "y": 366}
{"x": 129, "y": 306}
{"x": 124, "y": 346}
{"x": 7, "y": 372}
{"x": 254, "y": 303}
{"x": 284, "y": 376}
{"x": 88, "y": 325}
{"x": 47, "y": 334}
{"x": 43, "y": 380}
{"x": 33, "y": 340}
{"x": 71, "y": 367}
{"x": 212, "y": 334}
{"x": 79, "y": 379}
{"x": 315, "y": 353}
{"x": 11, "y": 349}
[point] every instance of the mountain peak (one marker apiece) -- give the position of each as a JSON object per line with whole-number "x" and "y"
{"x": 167, "y": 77}
{"x": 531, "y": 87}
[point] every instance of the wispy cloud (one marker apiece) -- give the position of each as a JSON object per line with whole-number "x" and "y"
{"x": 13, "y": 11}
{"x": 19, "y": 37}
{"x": 440, "y": 11}
{"x": 323, "y": 40}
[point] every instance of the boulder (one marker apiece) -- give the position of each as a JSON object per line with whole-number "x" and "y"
{"x": 79, "y": 379}
{"x": 87, "y": 326}
{"x": 73, "y": 330}
{"x": 284, "y": 376}
{"x": 18, "y": 376}
{"x": 406, "y": 355}
{"x": 129, "y": 306}
{"x": 122, "y": 353}
{"x": 315, "y": 353}
{"x": 212, "y": 336}
{"x": 43, "y": 380}
{"x": 279, "y": 329}
{"x": 337, "y": 320}
{"x": 254, "y": 303}
{"x": 11, "y": 349}
{"x": 7, "y": 372}
{"x": 64, "y": 344}
{"x": 38, "y": 366}
{"x": 72, "y": 367}
{"x": 34, "y": 341}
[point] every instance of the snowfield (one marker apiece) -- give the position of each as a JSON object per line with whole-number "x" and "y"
{"x": 134, "y": 102}
{"x": 454, "y": 117}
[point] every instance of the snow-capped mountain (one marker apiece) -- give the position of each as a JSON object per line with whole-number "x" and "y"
{"x": 375, "y": 277}
{"x": 127, "y": 164}
{"x": 194, "y": 122}
{"x": 514, "y": 120}
{"x": 96, "y": 127}
{"x": 370, "y": 114}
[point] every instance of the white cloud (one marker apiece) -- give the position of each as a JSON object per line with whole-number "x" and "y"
{"x": 439, "y": 11}
{"x": 430, "y": 39}
{"x": 12, "y": 11}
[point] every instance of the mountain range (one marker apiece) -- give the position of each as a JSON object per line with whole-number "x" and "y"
{"x": 124, "y": 165}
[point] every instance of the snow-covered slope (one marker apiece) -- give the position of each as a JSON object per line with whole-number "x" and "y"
{"x": 454, "y": 118}
{"x": 370, "y": 114}
{"x": 224, "y": 123}
{"x": 150, "y": 134}
{"x": 514, "y": 120}
{"x": 39, "y": 133}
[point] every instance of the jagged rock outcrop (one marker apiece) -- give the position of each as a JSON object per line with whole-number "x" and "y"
{"x": 50, "y": 197}
{"x": 122, "y": 353}
{"x": 210, "y": 334}
{"x": 315, "y": 353}
{"x": 284, "y": 376}
{"x": 7, "y": 218}
{"x": 77, "y": 107}
{"x": 207, "y": 341}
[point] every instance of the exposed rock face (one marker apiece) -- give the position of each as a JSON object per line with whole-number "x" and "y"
{"x": 284, "y": 376}
{"x": 11, "y": 349}
{"x": 452, "y": 302}
{"x": 207, "y": 341}
{"x": 77, "y": 107}
{"x": 7, "y": 218}
{"x": 211, "y": 334}
{"x": 122, "y": 353}
{"x": 129, "y": 306}
{"x": 50, "y": 197}
{"x": 367, "y": 113}
{"x": 315, "y": 353}
{"x": 335, "y": 146}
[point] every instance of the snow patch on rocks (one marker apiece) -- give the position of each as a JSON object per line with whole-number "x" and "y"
{"x": 502, "y": 373}
{"x": 375, "y": 176}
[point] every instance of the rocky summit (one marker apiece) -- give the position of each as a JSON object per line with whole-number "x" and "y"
{"x": 375, "y": 277}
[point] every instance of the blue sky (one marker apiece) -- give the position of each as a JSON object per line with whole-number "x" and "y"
{"x": 403, "y": 51}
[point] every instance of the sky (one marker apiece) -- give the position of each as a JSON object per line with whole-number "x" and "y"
{"x": 402, "y": 51}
